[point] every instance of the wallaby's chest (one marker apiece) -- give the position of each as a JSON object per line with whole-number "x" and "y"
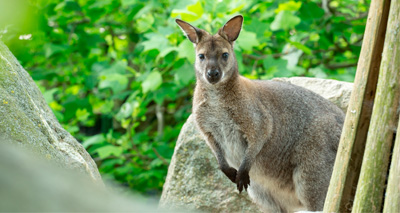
{"x": 218, "y": 121}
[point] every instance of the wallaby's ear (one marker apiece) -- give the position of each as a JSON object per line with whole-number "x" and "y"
{"x": 232, "y": 28}
{"x": 194, "y": 34}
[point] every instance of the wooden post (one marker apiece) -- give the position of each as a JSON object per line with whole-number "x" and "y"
{"x": 352, "y": 143}
{"x": 371, "y": 184}
{"x": 392, "y": 200}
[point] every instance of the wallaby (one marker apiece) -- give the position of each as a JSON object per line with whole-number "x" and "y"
{"x": 275, "y": 139}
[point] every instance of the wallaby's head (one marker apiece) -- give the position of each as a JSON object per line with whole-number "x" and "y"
{"x": 215, "y": 58}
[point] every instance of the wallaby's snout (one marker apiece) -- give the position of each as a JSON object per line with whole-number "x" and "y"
{"x": 214, "y": 65}
{"x": 213, "y": 75}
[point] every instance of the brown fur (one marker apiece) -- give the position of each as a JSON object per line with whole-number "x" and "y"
{"x": 275, "y": 139}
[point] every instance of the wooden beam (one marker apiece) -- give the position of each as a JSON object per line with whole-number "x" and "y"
{"x": 352, "y": 143}
{"x": 374, "y": 170}
{"x": 392, "y": 200}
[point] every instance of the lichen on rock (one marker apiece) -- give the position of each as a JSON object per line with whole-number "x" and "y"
{"x": 26, "y": 119}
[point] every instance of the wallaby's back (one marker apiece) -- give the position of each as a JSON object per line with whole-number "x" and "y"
{"x": 303, "y": 143}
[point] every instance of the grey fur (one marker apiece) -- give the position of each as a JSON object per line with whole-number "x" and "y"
{"x": 275, "y": 139}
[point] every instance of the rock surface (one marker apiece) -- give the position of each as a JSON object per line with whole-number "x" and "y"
{"x": 338, "y": 92}
{"x": 194, "y": 181}
{"x": 27, "y": 120}
{"x": 31, "y": 184}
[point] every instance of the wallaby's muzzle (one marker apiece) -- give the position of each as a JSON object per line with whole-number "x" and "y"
{"x": 213, "y": 76}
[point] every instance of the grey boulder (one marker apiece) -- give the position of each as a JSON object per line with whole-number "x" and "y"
{"x": 28, "y": 122}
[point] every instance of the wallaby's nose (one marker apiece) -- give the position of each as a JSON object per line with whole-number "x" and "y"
{"x": 213, "y": 73}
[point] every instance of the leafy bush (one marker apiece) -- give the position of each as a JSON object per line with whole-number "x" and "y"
{"x": 119, "y": 76}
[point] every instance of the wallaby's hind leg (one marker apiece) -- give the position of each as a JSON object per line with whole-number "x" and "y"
{"x": 311, "y": 178}
{"x": 264, "y": 199}
{"x": 311, "y": 187}
{"x": 316, "y": 158}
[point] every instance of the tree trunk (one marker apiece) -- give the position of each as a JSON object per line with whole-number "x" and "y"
{"x": 352, "y": 143}
{"x": 371, "y": 185}
{"x": 392, "y": 200}
{"x": 27, "y": 121}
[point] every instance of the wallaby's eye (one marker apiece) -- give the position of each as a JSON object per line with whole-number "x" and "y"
{"x": 201, "y": 57}
{"x": 225, "y": 55}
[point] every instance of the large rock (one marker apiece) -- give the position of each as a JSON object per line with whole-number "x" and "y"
{"x": 27, "y": 120}
{"x": 338, "y": 92}
{"x": 194, "y": 181}
{"x": 32, "y": 184}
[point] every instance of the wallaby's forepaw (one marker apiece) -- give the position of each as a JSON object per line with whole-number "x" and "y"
{"x": 242, "y": 180}
{"x": 230, "y": 173}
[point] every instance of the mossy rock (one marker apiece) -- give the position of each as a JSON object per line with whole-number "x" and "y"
{"x": 27, "y": 120}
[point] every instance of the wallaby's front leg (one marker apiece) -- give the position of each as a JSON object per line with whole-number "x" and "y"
{"x": 230, "y": 172}
{"x": 243, "y": 178}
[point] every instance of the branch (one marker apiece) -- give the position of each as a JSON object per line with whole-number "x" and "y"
{"x": 275, "y": 55}
{"x": 325, "y": 7}
{"x": 165, "y": 162}
{"x": 127, "y": 156}
{"x": 160, "y": 119}
{"x": 340, "y": 65}
{"x": 361, "y": 16}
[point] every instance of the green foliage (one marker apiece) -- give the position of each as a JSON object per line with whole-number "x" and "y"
{"x": 119, "y": 75}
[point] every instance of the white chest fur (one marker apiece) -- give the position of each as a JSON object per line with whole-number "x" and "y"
{"x": 226, "y": 132}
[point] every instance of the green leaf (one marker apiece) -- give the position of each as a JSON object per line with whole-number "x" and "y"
{"x": 49, "y": 95}
{"x": 82, "y": 114}
{"x": 117, "y": 82}
{"x": 302, "y": 47}
{"x": 192, "y": 12}
{"x": 258, "y": 27}
{"x": 107, "y": 107}
{"x": 100, "y": 4}
{"x": 285, "y": 20}
{"x": 166, "y": 51}
{"x": 314, "y": 37}
{"x": 144, "y": 23}
{"x": 109, "y": 150}
{"x": 126, "y": 110}
{"x": 196, "y": 9}
{"x": 186, "y": 50}
{"x": 276, "y": 67}
{"x": 95, "y": 139}
{"x": 126, "y": 3}
{"x": 60, "y": 5}
{"x": 68, "y": 5}
{"x": 51, "y": 49}
{"x": 317, "y": 72}
{"x": 117, "y": 67}
{"x": 247, "y": 40}
{"x": 238, "y": 8}
{"x": 155, "y": 163}
{"x": 292, "y": 59}
{"x": 152, "y": 81}
{"x": 156, "y": 41}
{"x": 288, "y": 6}
{"x": 185, "y": 74}
{"x": 271, "y": 62}
{"x": 311, "y": 11}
